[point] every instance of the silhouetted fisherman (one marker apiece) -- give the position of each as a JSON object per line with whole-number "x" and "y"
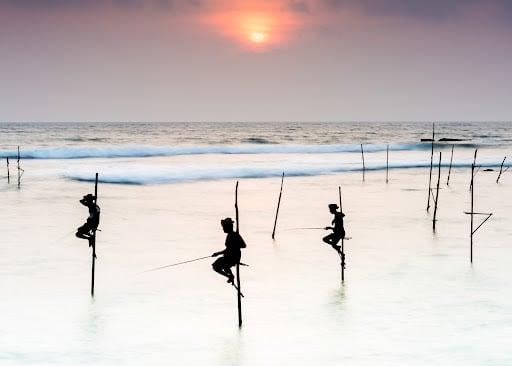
{"x": 231, "y": 255}
{"x": 87, "y": 230}
{"x": 337, "y": 228}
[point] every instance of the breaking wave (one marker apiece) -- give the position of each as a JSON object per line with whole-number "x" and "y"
{"x": 136, "y": 151}
{"x": 164, "y": 175}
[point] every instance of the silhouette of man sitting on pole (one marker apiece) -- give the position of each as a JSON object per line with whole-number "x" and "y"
{"x": 88, "y": 230}
{"x": 231, "y": 255}
{"x": 337, "y": 228}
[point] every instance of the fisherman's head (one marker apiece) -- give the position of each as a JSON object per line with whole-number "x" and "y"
{"x": 89, "y": 198}
{"x": 333, "y": 207}
{"x": 227, "y": 224}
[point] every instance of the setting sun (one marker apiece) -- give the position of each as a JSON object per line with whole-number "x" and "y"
{"x": 256, "y": 30}
{"x": 257, "y": 37}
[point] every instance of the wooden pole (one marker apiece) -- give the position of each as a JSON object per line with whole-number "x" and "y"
{"x": 431, "y": 165}
{"x": 278, "y": 204}
{"x": 501, "y": 169}
{"x": 434, "y": 220}
{"x": 94, "y": 238}
{"x": 450, "y": 169}
{"x": 342, "y": 254}
{"x": 19, "y": 169}
{"x": 472, "y": 206}
{"x": 239, "y": 293}
{"x": 387, "y": 163}
{"x": 362, "y": 155}
{"x": 8, "y": 173}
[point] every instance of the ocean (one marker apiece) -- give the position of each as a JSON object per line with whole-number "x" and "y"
{"x": 410, "y": 295}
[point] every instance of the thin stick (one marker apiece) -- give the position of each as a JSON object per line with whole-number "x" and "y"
{"x": 431, "y": 165}
{"x": 8, "y": 173}
{"x": 362, "y": 155}
{"x": 238, "y": 287}
{"x": 236, "y": 208}
{"x": 342, "y": 254}
{"x": 387, "y": 163}
{"x": 339, "y": 192}
{"x": 278, "y": 204}
{"x": 19, "y": 169}
{"x": 434, "y": 220}
{"x": 473, "y": 173}
{"x": 94, "y": 238}
{"x": 501, "y": 169}
{"x": 177, "y": 264}
{"x": 472, "y": 206}
{"x": 450, "y": 170}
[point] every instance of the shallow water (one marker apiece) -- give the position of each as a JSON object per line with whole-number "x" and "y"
{"x": 411, "y": 297}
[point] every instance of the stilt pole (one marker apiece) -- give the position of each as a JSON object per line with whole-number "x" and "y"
{"x": 434, "y": 220}
{"x": 431, "y": 165}
{"x": 94, "y": 238}
{"x": 472, "y": 213}
{"x": 450, "y": 169}
{"x": 342, "y": 254}
{"x": 362, "y": 155}
{"x": 387, "y": 163}
{"x": 239, "y": 293}
{"x": 278, "y": 204}
{"x": 19, "y": 168}
{"x": 8, "y": 173}
{"x": 501, "y": 169}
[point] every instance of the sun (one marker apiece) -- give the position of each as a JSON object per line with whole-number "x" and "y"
{"x": 257, "y": 37}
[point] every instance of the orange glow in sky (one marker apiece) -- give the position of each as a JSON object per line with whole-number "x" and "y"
{"x": 255, "y": 30}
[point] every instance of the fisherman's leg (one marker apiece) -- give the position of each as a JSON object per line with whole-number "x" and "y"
{"x": 219, "y": 267}
{"x": 230, "y": 275}
{"x": 329, "y": 239}
{"x": 82, "y": 232}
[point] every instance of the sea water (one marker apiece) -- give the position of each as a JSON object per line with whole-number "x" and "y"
{"x": 410, "y": 295}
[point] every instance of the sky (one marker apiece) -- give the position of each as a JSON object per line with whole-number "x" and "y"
{"x": 231, "y": 60}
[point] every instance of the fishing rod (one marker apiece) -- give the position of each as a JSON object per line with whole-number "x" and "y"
{"x": 177, "y": 264}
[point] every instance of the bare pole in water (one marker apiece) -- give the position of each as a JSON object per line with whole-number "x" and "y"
{"x": 239, "y": 293}
{"x": 431, "y": 165}
{"x": 387, "y": 163}
{"x": 278, "y": 204}
{"x": 434, "y": 220}
{"x": 94, "y": 237}
{"x": 450, "y": 169}
{"x": 472, "y": 213}
{"x": 8, "y": 173}
{"x": 19, "y": 168}
{"x": 501, "y": 169}
{"x": 472, "y": 207}
{"x": 342, "y": 254}
{"x": 362, "y": 155}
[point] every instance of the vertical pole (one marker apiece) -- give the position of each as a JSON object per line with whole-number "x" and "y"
{"x": 239, "y": 293}
{"x": 278, "y": 204}
{"x": 437, "y": 194}
{"x": 501, "y": 169}
{"x": 342, "y": 255}
{"x": 450, "y": 169}
{"x": 472, "y": 206}
{"x": 8, "y": 173}
{"x": 431, "y": 164}
{"x": 362, "y": 155}
{"x": 19, "y": 169}
{"x": 387, "y": 163}
{"x": 94, "y": 237}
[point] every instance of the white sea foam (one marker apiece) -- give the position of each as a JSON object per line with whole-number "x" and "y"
{"x": 161, "y": 175}
{"x": 132, "y": 151}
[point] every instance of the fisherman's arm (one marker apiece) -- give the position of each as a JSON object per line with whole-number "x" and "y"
{"x": 219, "y": 253}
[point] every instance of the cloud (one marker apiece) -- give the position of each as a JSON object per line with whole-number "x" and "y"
{"x": 299, "y": 6}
